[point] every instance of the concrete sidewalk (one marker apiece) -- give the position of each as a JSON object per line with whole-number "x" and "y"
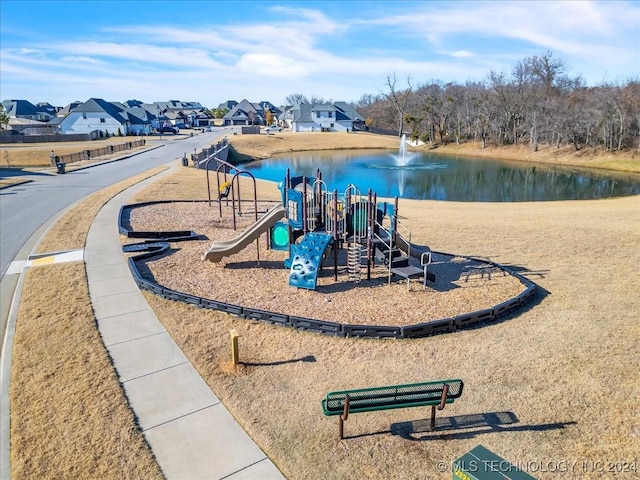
{"x": 191, "y": 433}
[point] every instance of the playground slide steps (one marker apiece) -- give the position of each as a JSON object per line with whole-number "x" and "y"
{"x": 399, "y": 263}
{"x": 397, "y": 257}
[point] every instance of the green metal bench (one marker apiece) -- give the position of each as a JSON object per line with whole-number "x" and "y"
{"x": 436, "y": 394}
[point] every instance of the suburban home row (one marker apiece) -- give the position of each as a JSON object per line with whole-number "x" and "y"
{"x": 98, "y": 117}
{"x": 302, "y": 117}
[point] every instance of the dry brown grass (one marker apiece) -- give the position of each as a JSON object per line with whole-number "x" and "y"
{"x": 625, "y": 161}
{"x": 564, "y": 366}
{"x": 29, "y": 155}
{"x": 69, "y": 415}
{"x": 263, "y": 146}
{"x": 70, "y": 231}
{"x": 11, "y": 181}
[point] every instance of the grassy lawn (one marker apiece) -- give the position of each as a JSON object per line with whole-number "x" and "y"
{"x": 549, "y": 367}
{"x": 26, "y": 155}
{"x": 562, "y": 369}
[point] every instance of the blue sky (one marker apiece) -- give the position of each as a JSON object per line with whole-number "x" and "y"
{"x": 211, "y": 51}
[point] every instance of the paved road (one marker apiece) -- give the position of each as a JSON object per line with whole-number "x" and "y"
{"x": 27, "y": 210}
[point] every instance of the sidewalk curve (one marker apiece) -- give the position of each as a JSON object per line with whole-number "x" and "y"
{"x": 191, "y": 433}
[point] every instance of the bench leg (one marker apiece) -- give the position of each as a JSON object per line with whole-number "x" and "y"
{"x": 443, "y": 402}
{"x": 433, "y": 417}
{"x": 344, "y": 416}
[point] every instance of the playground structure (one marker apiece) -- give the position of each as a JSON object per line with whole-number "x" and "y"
{"x": 365, "y": 232}
{"x": 318, "y": 223}
{"x": 321, "y": 222}
{"x": 230, "y": 187}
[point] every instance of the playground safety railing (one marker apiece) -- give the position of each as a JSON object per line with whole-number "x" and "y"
{"x": 405, "y": 235}
{"x": 389, "y": 238}
{"x": 387, "y": 241}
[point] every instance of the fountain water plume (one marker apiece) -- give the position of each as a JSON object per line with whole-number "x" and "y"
{"x": 403, "y": 157}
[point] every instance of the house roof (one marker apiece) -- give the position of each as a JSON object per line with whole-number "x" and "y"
{"x": 173, "y": 106}
{"x": 98, "y": 105}
{"x": 322, "y": 107}
{"x": 270, "y": 106}
{"x": 22, "y": 108}
{"x": 228, "y": 105}
{"x": 348, "y": 111}
{"x": 244, "y": 109}
{"x": 302, "y": 112}
{"x": 118, "y": 111}
{"x": 138, "y": 116}
{"x": 64, "y": 111}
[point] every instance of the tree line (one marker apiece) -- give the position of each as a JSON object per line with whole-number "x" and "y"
{"x": 537, "y": 104}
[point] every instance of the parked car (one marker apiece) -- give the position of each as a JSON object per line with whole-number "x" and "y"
{"x": 272, "y": 129}
{"x": 173, "y": 130}
{"x": 207, "y": 129}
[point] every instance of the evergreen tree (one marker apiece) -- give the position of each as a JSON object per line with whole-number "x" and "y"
{"x": 4, "y": 118}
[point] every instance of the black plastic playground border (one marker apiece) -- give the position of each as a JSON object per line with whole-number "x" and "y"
{"x": 434, "y": 327}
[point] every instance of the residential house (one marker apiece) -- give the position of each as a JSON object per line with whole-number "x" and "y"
{"x": 245, "y": 113}
{"x": 228, "y": 105}
{"x": 28, "y": 119}
{"x": 178, "y": 113}
{"x": 200, "y": 119}
{"x": 43, "y": 112}
{"x": 275, "y": 111}
{"x": 64, "y": 111}
{"x": 47, "y": 107}
{"x": 112, "y": 118}
{"x": 324, "y": 117}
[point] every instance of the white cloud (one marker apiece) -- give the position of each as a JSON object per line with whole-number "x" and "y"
{"x": 139, "y": 52}
{"x": 341, "y": 57}
{"x": 80, "y": 59}
{"x": 461, "y": 54}
{"x": 272, "y": 65}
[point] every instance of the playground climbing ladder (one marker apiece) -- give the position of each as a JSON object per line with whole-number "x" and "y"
{"x": 353, "y": 262}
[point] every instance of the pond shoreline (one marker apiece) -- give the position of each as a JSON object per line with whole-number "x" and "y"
{"x": 265, "y": 146}
{"x": 431, "y": 174}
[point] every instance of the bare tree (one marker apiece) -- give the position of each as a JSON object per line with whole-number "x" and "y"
{"x": 631, "y": 97}
{"x": 546, "y": 70}
{"x": 437, "y": 109}
{"x": 398, "y": 99}
{"x": 315, "y": 100}
{"x": 296, "y": 98}
{"x": 367, "y": 107}
{"x": 538, "y": 103}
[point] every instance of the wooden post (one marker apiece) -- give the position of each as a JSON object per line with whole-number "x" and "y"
{"x": 235, "y": 357}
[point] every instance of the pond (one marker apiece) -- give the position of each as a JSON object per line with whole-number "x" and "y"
{"x": 426, "y": 176}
